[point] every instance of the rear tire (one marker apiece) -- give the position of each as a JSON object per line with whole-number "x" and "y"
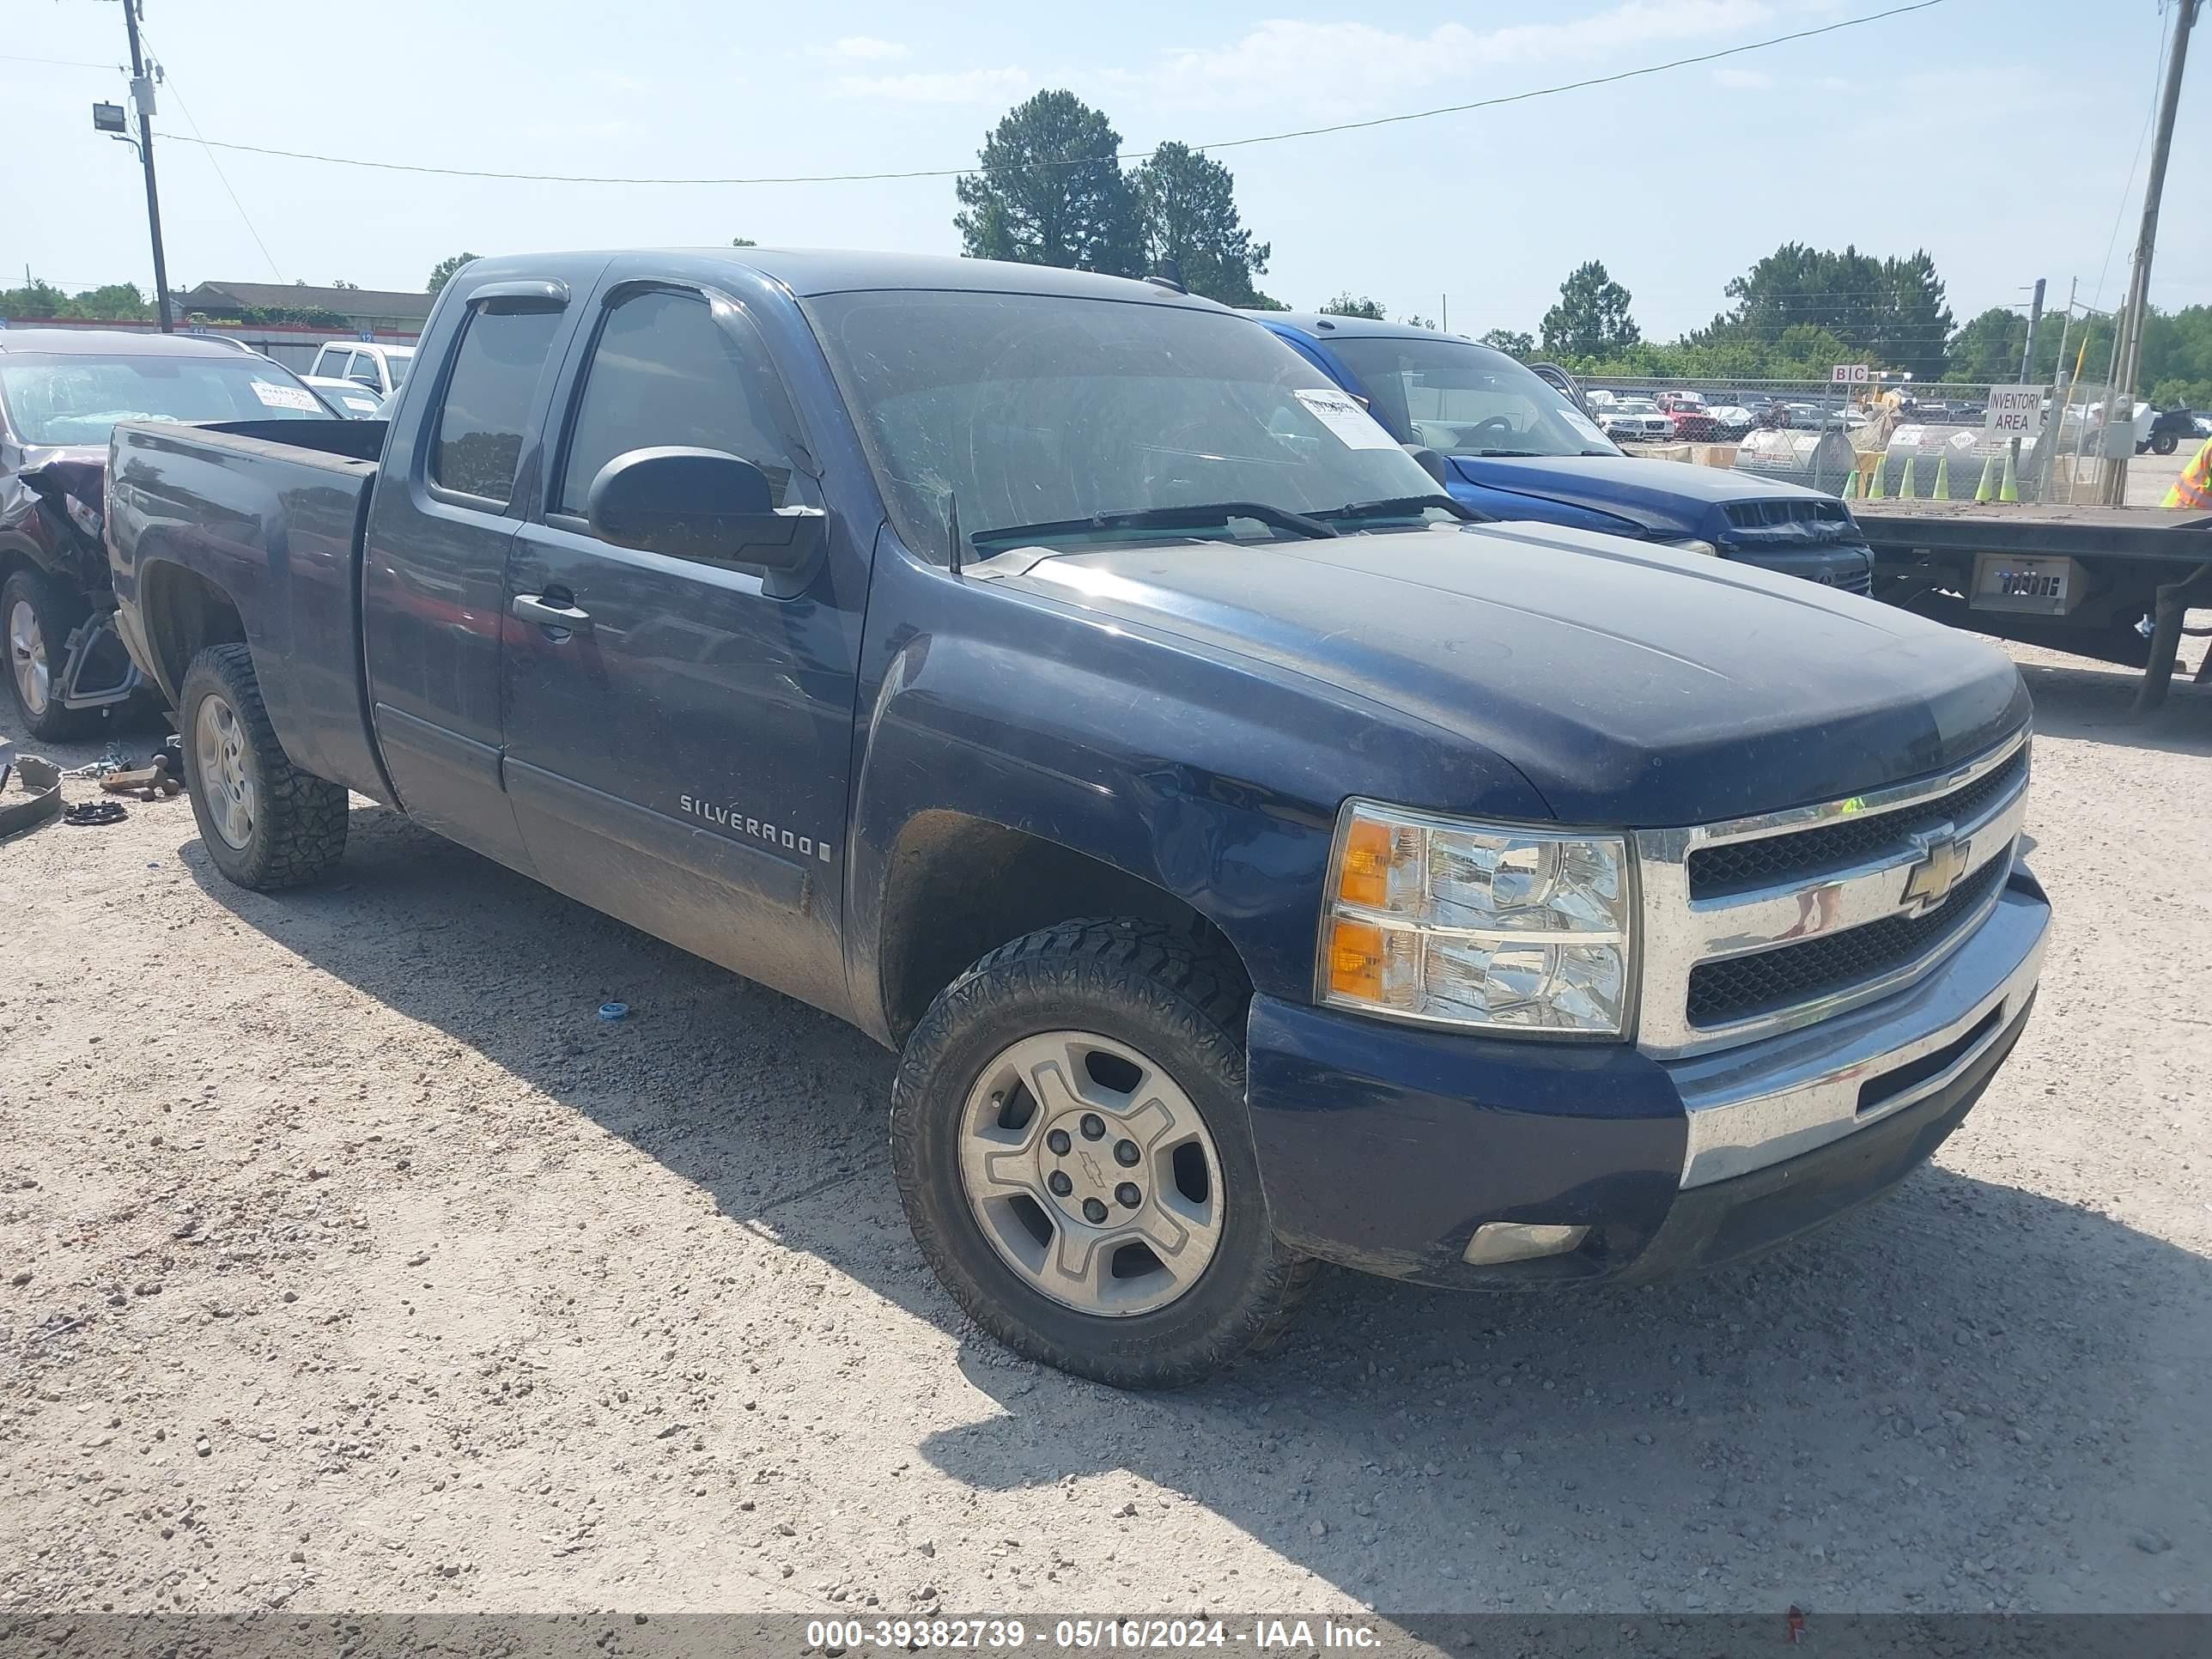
{"x": 1166, "y": 1020}
{"x": 37, "y": 615}
{"x": 266, "y": 824}
{"x": 2166, "y": 443}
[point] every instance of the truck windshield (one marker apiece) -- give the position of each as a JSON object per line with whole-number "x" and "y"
{"x": 1466, "y": 400}
{"x": 65, "y": 399}
{"x": 1047, "y": 411}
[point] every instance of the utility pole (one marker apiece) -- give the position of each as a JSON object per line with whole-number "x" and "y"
{"x": 142, "y": 96}
{"x": 2138, "y": 303}
{"x": 2034, "y": 320}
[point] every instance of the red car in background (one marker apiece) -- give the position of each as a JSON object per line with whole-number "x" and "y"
{"x": 1692, "y": 419}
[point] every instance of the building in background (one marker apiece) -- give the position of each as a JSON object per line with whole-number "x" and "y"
{"x": 364, "y": 310}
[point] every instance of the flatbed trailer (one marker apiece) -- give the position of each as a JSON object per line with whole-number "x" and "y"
{"x": 2079, "y": 579}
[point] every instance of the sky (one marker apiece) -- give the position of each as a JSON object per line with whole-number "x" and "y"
{"x": 2000, "y": 135}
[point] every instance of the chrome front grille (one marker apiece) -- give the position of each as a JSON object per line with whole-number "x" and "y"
{"x": 1739, "y": 988}
{"x": 1766, "y": 924}
{"x": 1733, "y": 865}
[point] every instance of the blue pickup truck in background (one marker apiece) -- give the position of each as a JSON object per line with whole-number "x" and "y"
{"x": 1255, "y": 860}
{"x": 1508, "y": 444}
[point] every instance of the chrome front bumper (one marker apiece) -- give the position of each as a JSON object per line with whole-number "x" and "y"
{"x": 1769, "y": 1101}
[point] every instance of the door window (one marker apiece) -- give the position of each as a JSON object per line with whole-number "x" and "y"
{"x": 664, "y": 373}
{"x": 480, "y": 428}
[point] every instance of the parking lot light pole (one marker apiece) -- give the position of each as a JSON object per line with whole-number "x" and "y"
{"x": 141, "y": 98}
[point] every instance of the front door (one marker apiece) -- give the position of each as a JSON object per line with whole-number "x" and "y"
{"x": 677, "y": 738}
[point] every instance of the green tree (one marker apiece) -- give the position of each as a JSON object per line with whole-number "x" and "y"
{"x": 1511, "y": 342}
{"x": 2177, "y": 360}
{"x": 1187, "y": 207}
{"x": 1592, "y": 315}
{"x": 442, "y": 272}
{"x": 1414, "y": 319}
{"x": 1988, "y": 346}
{"x": 340, "y": 281}
{"x": 1050, "y": 191}
{"x": 743, "y": 242}
{"x": 112, "y": 302}
{"x": 1345, "y": 306}
{"x": 1887, "y": 311}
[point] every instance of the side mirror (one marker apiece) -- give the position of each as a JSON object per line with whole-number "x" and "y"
{"x": 1432, "y": 462}
{"x": 701, "y": 504}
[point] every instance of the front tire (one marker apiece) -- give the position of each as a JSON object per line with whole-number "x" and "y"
{"x": 266, "y": 824}
{"x": 1069, "y": 1138}
{"x": 2165, "y": 442}
{"x": 37, "y": 616}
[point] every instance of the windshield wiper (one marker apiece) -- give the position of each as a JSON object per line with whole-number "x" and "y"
{"x": 1199, "y": 515}
{"x": 1397, "y": 507}
{"x": 1510, "y": 454}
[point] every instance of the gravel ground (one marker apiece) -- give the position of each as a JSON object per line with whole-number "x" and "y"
{"x": 348, "y": 1260}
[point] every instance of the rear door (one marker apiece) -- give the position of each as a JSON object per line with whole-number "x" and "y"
{"x": 678, "y": 744}
{"x": 434, "y": 564}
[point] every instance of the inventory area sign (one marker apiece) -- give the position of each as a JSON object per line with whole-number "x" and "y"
{"x": 2015, "y": 411}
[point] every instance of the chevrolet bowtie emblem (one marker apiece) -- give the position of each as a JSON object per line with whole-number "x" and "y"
{"x": 1942, "y": 861}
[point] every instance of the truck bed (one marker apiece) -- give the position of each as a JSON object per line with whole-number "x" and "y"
{"x": 271, "y": 513}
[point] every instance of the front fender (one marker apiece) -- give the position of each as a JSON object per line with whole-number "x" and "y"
{"x": 1213, "y": 777}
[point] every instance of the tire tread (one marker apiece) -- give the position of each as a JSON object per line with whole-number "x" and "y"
{"x": 1202, "y": 990}
{"x": 302, "y": 831}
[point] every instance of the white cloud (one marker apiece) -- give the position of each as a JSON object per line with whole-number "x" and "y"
{"x": 863, "y": 49}
{"x": 1749, "y": 80}
{"x": 1350, "y": 65}
{"x": 975, "y": 85}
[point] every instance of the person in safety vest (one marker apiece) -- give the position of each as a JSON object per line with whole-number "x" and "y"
{"x": 2193, "y": 489}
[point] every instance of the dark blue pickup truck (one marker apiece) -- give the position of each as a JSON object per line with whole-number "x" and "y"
{"x": 1257, "y": 860}
{"x": 1506, "y": 442}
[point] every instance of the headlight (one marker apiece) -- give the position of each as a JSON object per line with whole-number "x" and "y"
{"x": 1457, "y": 923}
{"x": 86, "y": 519}
{"x": 1692, "y": 544}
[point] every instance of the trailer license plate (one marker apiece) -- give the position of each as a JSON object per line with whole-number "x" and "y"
{"x": 2014, "y": 584}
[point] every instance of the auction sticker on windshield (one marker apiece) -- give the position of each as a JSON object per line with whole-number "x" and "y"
{"x": 1585, "y": 426}
{"x": 284, "y": 396}
{"x": 1340, "y": 411}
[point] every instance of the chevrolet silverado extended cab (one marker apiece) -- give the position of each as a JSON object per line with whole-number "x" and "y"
{"x": 1507, "y": 443}
{"x": 1257, "y": 860}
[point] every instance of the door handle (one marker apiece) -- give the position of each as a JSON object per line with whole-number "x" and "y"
{"x": 546, "y": 611}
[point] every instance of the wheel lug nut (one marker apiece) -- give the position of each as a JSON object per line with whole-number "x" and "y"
{"x": 1126, "y": 1154}
{"x": 1127, "y": 1196}
{"x": 1060, "y": 1185}
{"x": 1093, "y": 1211}
{"x": 1094, "y": 1127}
{"x": 1059, "y": 1142}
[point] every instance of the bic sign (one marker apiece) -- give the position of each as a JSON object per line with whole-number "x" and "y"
{"x": 1850, "y": 374}
{"x": 2015, "y": 411}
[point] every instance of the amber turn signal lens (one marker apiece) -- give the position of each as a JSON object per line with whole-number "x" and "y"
{"x": 1355, "y": 960}
{"x": 1365, "y": 879}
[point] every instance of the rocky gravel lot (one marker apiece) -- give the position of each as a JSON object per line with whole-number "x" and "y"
{"x": 347, "y": 1260}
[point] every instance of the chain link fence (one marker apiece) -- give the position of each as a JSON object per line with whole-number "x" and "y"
{"x": 1884, "y": 440}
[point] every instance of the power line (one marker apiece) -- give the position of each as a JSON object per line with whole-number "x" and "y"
{"x": 57, "y": 62}
{"x": 169, "y": 84}
{"x": 2127, "y": 189}
{"x": 1125, "y": 155}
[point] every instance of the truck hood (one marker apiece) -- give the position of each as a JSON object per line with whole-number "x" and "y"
{"x": 1666, "y": 498}
{"x": 1630, "y": 684}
